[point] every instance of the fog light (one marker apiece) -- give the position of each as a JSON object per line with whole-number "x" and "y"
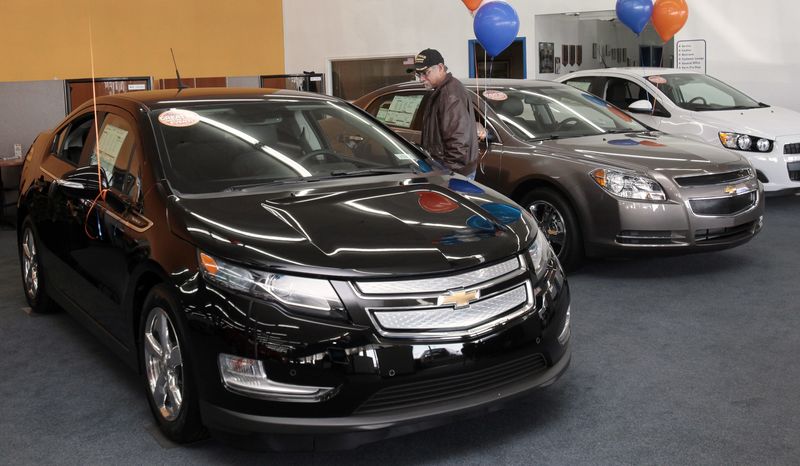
{"x": 247, "y": 377}
{"x": 565, "y": 332}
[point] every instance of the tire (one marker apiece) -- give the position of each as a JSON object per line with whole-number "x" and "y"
{"x": 33, "y": 274}
{"x": 169, "y": 383}
{"x": 558, "y": 222}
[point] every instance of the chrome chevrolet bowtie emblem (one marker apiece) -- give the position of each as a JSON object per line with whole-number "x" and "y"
{"x": 734, "y": 190}
{"x": 459, "y": 298}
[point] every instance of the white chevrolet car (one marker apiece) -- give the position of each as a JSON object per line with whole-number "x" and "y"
{"x": 705, "y": 109}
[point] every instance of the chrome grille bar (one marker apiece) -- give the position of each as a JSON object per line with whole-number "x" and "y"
{"x": 439, "y": 284}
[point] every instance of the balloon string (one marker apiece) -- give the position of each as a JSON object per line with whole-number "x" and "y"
{"x": 102, "y": 191}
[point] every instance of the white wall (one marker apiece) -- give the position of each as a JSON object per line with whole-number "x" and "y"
{"x": 751, "y": 45}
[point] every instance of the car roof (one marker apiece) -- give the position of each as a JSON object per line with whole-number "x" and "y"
{"x": 471, "y": 83}
{"x": 167, "y": 98}
{"x": 640, "y": 71}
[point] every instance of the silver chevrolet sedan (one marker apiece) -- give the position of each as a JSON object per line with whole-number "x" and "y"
{"x": 598, "y": 181}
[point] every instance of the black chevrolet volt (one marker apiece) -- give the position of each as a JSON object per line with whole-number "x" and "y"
{"x": 280, "y": 267}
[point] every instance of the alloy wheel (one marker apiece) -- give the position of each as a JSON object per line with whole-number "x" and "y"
{"x": 164, "y": 364}
{"x": 552, "y": 224}
{"x": 30, "y": 264}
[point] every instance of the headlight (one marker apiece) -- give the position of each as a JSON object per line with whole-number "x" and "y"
{"x": 629, "y": 185}
{"x": 540, "y": 252}
{"x": 305, "y": 295}
{"x": 739, "y": 141}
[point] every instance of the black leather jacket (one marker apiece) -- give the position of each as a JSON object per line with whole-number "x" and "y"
{"x": 448, "y": 127}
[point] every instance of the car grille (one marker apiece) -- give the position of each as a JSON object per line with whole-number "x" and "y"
{"x": 724, "y": 205}
{"x": 716, "y": 178}
{"x": 416, "y": 394}
{"x": 722, "y": 235}
{"x": 447, "y": 318}
{"x": 793, "y": 148}
{"x": 453, "y": 306}
{"x": 794, "y": 170}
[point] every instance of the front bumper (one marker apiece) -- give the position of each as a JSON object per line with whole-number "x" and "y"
{"x": 331, "y": 433}
{"x": 674, "y": 226}
{"x": 385, "y": 384}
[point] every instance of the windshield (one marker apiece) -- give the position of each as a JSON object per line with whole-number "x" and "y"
{"x": 701, "y": 93}
{"x": 236, "y": 145}
{"x": 557, "y": 112}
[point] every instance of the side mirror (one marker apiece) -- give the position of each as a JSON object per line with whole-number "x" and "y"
{"x": 82, "y": 183}
{"x": 641, "y": 106}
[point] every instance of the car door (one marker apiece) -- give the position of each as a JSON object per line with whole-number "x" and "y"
{"x": 60, "y": 225}
{"x": 113, "y": 232}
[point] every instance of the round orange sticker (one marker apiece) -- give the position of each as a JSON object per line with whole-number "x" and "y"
{"x": 178, "y": 118}
{"x": 657, "y": 79}
{"x": 495, "y": 95}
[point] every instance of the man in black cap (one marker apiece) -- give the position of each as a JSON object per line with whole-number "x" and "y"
{"x": 449, "y": 133}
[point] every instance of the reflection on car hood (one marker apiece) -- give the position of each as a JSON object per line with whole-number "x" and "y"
{"x": 359, "y": 227}
{"x": 647, "y": 152}
{"x": 767, "y": 122}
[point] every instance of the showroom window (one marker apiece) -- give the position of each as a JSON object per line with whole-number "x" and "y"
{"x": 79, "y": 91}
{"x": 353, "y": 78}
{"x": 308, "y": 82}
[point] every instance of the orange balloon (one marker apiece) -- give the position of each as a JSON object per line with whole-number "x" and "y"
{"x": 472, "y": 4}
{"x": 669, "y": 16}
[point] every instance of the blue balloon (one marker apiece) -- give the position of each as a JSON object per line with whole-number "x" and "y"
{"x": 635, "y": 13}
{"x": 496, "y": 26}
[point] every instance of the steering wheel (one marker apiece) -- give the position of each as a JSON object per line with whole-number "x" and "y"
{"x": 698, "y": 99}
{"x": 568, "y": 122}
{"x": 326, "y": 152}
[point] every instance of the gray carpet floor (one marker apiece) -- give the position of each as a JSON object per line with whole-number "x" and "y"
{"x": 678, "y": 360}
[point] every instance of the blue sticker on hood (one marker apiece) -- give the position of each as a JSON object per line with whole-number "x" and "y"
{"x": 623, "y": 142}
{"x": 464, "y": 186}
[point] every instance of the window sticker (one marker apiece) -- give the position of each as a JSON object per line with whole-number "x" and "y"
{"x": 178, "y": 118}
{"x": 111, "y": 142}
{"x": 495, "y": 95}
{"x": 401, "y": 111}
{"x": 657, "y": 79}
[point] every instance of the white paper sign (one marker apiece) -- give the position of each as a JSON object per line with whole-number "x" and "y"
{"x": 110, "y": 144}
{"x": 691, "y": 55}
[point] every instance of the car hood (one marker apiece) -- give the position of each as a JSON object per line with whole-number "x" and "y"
{"x": 767, "y": 122}
{"x": 647, "y": 152}
{"x": 358, "y": 226}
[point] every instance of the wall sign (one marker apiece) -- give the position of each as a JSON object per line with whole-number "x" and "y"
{"x": 691, "y": 55}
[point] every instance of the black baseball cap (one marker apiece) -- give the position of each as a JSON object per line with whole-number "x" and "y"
{"x": 426, "y": 59}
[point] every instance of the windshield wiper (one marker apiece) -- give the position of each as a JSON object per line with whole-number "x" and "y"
{"x": 623, "y": 131}
{"x": 371, "y": 171}
{"x": 243, "y": 187}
